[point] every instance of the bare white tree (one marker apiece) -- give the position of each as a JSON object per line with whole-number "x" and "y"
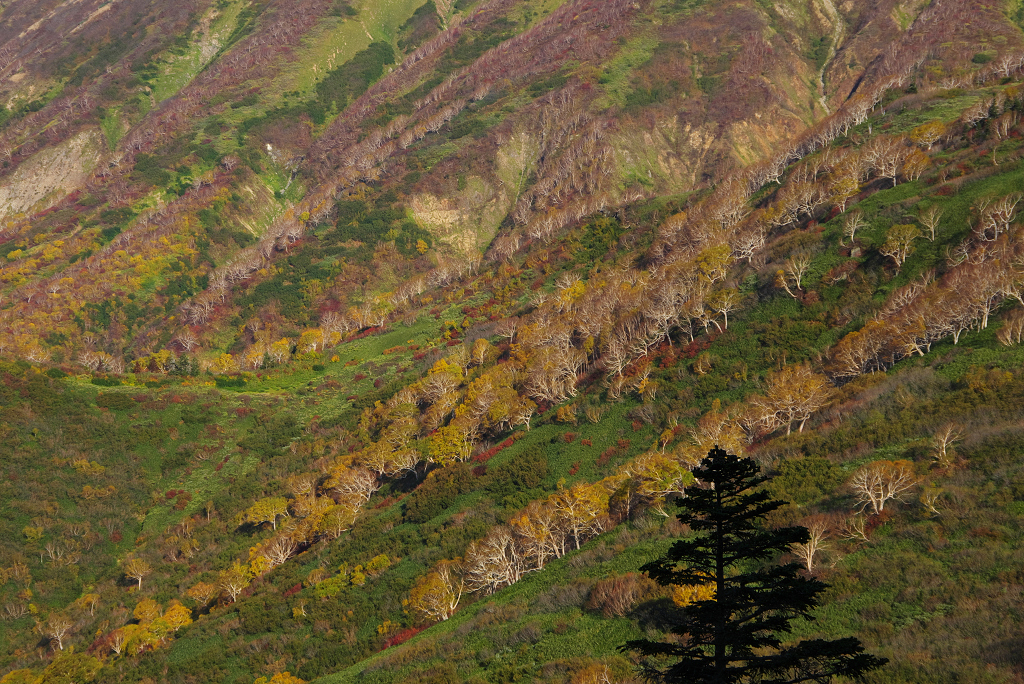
{"x": 930, "y": 500}
{"x": 187, "y": 339}
{"x": 945, "y": 437}
{"x": 279, "y": 550}
{"x": 930, "y": 220}
{"x": 854, "y": 222}
{"x": 854, "y": 529}
{"x": 882, "y": 481}
{"x": 57, "y": 628}
{"x": 355, "y": 483}
{"x": 496, "y": 562}
{"x": 818, "y": 534}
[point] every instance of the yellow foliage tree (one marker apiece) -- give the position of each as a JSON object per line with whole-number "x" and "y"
{"x": 146, "y": 611}
{"x": 916, "y": 163}
{"x": 582, "y": 508}
{"x": 713, "y": 262}
{"x": 436, "y": 595}
{"x": 234, "y": 580}
{"x": 280, "y": 350}
{"x": 899, "y": 242}
{"x": 136, "y": 569}
{"x": 202, "y": 592}
{"x": 792, "y": 395}
{"x": 927, "y": 134}
{"x": 450, "y": 445}
{"x": 267, "y": 510}
{"x": 225, "y": 363}
{"x": 177, "y": 616}
{"x": 686, "y": 594}
{"x": 281, "y": 678}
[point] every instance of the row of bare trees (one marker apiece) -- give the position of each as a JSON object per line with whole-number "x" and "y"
{"x": 983, "y": 272}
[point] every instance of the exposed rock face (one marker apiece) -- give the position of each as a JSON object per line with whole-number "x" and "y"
{"x": 51, "y": 174}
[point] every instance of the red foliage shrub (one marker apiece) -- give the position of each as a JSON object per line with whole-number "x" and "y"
{"x": 569, "y": 437}
{"x": 387, "y": 501}
{"x": 402, "y": 636}
{"x": 696, "y": 347}
{"x": 876, "y": 521}
{"x": 243, "y": 411}
{"x": 669, "y": 358}
{"x": 485, "y": 456}
{"x": 364, "y": 333}
{"x": 480, "y": 471}
{"x": 359, "y": 377}
{"x": 575, "y": 468}
{"x": 623, "y": 444}
{"x": 293, "y": 590}
{"x": 637, "y": 425}
{"x": 586, "y": 442}
{"x": 378, "y": 382}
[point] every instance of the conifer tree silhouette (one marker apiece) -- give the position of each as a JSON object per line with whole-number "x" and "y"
{"x": 736, "y": 636}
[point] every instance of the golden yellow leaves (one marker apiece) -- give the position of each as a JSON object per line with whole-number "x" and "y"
{"x": 684, "y": 595}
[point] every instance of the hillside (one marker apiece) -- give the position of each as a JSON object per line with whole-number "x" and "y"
{"x": 373, "y": 341}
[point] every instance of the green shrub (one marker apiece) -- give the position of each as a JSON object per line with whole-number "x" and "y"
{"x": 354, "y": 76}
{"x": 195, "y": 415}
{"x": 114, "y": 401}
{"x": 806, "y": 480}
{"x": 522, "y": 473}
{"x": 270, "y": 434}
{"x": 173, "y": 461}
{"x": 438, "y": 492}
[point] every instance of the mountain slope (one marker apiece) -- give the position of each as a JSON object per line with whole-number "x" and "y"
{"x": 352, "y": 298}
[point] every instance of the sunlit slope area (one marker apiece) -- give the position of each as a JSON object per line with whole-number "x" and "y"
{"x": 375, "y": 342}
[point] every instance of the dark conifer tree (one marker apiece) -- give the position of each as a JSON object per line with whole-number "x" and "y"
{"x": 737, "y": 636}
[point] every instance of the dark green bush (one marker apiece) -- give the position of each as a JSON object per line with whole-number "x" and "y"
{"x": 354, "y": 76}
{"x": 805, "y": 480}
{"x": 196, "y": 415}
{"x": 270, "y": 434}
{"x": 172, "y": 462}
{"x": 116, "y": 402}
{"x": 438, "y": 492}
{"x": 524, "y": 472}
